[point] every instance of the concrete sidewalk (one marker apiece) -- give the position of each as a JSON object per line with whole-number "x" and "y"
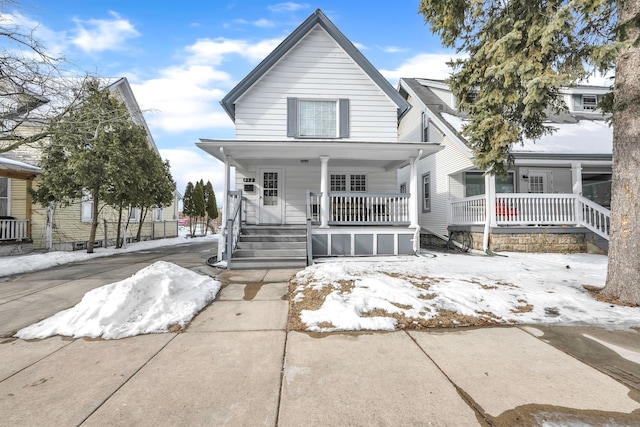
{"x": 236, "y": 364}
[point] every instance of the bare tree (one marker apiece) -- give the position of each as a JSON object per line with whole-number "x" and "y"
{"x": 34, "y": 85}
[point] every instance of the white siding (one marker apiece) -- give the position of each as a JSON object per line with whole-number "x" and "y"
{"x": 299, "y": 180}
{"x": 440, "y": 165}
{"x": 316, "y": 68}
{"x": 445, "y": 95}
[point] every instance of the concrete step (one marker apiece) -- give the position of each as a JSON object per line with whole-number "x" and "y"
{"x": 273, "y": 238}
{"x": 271, "y": 230}
{"x": 260, "y": 263}
{"x": 269, "y": 253}
{"x": 272, "y": 244}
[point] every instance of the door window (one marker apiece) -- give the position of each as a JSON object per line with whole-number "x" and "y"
{"x": 270, "y": 189}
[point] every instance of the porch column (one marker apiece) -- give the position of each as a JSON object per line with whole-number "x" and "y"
{"x": 490, "y": 208}
{"x": 324, "y": 188}
{"x": 225, "y": 206}
{"x": 413, "y": 193}
{"x": 576, "y": 177}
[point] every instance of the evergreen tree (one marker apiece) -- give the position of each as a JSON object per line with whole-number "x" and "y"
{"x": 188, "y": 207}
{"x": 211, "y": 204}
{"x": 80, "y": 161}
{"x": 520, "y": 54}
{"x": 200, "y": 208}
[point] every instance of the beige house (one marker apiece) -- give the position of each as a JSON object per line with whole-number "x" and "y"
{"x": 25, "y": 227}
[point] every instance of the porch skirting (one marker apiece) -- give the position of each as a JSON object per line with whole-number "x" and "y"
{"x": 362, "y": 241}
{"x": 544, "y": 239}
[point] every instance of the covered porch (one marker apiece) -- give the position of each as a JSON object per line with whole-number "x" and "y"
{"x": 16, "y": 178}
{"x": 342, "y": 193}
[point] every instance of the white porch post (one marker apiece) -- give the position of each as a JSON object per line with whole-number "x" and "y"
{"x": 576, "y": 177}
{"x": 324, "y": 188}
{"x": 413, "y": 193}
{"x": 490, "y": 208}
{"x": 225, "y": 206}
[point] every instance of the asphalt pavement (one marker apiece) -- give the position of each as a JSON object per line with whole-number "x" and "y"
{"x": 237, "y": 364}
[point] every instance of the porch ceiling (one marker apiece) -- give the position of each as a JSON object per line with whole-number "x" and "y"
{"x": 386, "y": 155}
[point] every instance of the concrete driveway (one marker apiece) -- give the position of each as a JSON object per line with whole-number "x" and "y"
{"x": 236, "y": 364}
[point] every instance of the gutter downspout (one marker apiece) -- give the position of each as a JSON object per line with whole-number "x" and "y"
{"x": 414, "y": 197}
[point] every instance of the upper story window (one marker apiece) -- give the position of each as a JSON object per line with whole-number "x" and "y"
{"x": 317, "y": 118}
{"x": 589, "y": 102}
{"x": 4, "y": 196}
{"x": 585, "y": 102}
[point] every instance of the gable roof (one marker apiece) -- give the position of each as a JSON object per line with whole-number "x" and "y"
{"x": 316, "y": 18}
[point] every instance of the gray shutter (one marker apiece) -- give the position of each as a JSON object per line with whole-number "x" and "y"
{"x": 344, "y": 117}
{"x": 292, "y": 117}
{"x": 577, "y": 102}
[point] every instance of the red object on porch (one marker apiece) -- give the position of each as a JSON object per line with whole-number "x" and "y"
{"x": 502, "y": 209}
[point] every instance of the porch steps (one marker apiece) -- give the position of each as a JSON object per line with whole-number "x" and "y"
{"x": 270, "y": 246}
{"x": 598, "y": 241}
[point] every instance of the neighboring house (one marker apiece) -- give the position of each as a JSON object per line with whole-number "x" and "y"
{"x": 68, "y": 228}
{"x": 316, "y": 156}
{"x": 555, "y": 198}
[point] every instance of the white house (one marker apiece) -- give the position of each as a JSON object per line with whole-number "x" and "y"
{"x": 316, "y": 155}
{"x": 555, "y": 198}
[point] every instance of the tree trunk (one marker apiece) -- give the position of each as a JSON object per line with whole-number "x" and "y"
{"x": 143, "y": 216}
{"x": 624, "y": 248}
{"x": 94, "y": 225}
{"x": 119, "y": 228}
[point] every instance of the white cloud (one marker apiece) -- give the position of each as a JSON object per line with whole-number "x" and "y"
{"x": 264, "y": 23}
{"x": 97, "y": 35}
{"x": 393, "y": 49}
{"x": 194, "y": 165}
{"x": 426, "y": 65}
{"x": 184, "y": 98}
{"x": 212, "y": 51}
{"x": 54, "y": 42}
{"x": 288, "y": 7}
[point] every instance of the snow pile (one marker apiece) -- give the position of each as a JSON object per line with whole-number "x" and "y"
{"x": 461, "y": 289}
{"x": 151, "y": 301}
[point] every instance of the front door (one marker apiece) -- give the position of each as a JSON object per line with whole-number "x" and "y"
{"x": 538, "y": 182}
{"x": 271, "y": 196}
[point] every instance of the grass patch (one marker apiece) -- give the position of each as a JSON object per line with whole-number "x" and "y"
{"x": 596, "y": 292}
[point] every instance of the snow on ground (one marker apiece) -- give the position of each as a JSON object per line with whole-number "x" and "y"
{"x": 10, "y": 265}
{"x": 518, "y": 288}
{"x": 153, "y": 300}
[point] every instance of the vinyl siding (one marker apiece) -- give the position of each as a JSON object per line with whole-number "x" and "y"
{"x": 18, "y": 199}
{"x": 440, "y": 165}
{"x": 316, "y": 68}
{"x": 299, "y": 180}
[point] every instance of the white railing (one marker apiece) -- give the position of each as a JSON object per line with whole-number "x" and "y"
{"x": 14, "y": 229}
{"x": 234, "y": 222}
{"x": 594, "y": 217}
{"x": 313, "y": 206}
{"x": 368, "y": 208}
{"x": 548, "y": 209}
{"x": 533, "y": 210}
{"x": 467, "y": 211}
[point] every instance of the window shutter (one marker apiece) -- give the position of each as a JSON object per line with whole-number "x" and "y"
{"x": 343, "y": 108}
{"x": 577, "y": 102}
{"x": 292, "y": 117}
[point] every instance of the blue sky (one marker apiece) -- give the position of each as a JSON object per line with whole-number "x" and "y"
{"x": 182, "y": 58}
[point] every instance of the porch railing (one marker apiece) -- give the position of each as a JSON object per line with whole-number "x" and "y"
{"x": 234, "y": 222}
{"x": 14, "y": 229}
{"x": 533, "y": 209}
{"x": 368, "y": 209}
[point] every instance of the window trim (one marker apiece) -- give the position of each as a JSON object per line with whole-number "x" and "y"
{"x": 134, "y": 210}
{"x": 86, "y": 205}
{"x": 426, "y": 198}
{"x": 592, "y": 105}
{"x": 8, "y": 196}
{"x": 342, "y": 117}
{"x": 403, "y": 188}
{"x": 347, "y": 182}
{"x": 157, "y": 214}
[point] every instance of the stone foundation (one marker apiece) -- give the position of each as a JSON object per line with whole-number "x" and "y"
{"x": 533, "y": 242}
